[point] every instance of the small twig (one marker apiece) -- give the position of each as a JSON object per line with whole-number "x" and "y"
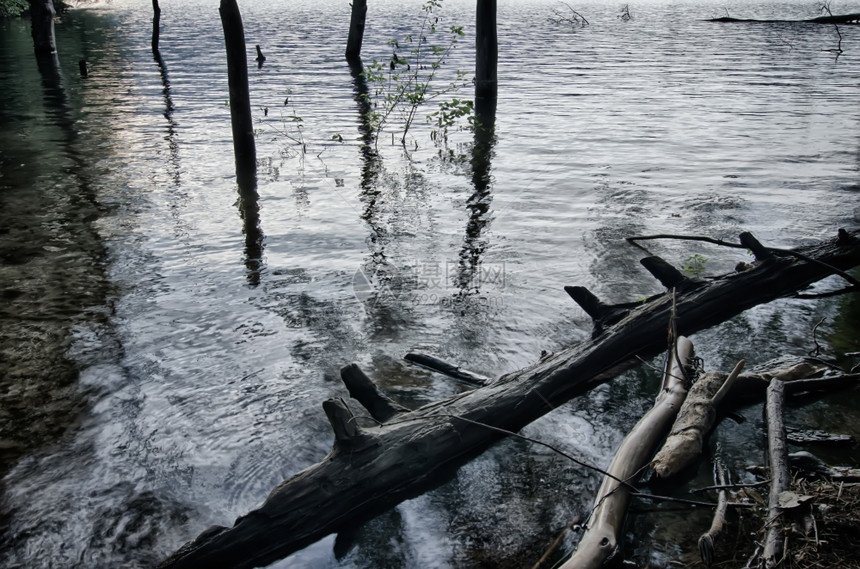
{"x": 556, "y": 542}
{"x": 707, "y": 539}
{"x": 753, "y": 557}
{"x": 816, "y": 351}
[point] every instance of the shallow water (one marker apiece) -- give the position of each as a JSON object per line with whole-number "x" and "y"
{"x": 200, "y": 372}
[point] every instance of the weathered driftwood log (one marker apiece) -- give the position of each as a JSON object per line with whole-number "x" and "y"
{"x": 600, "y": 545}
{"x": 371, "y": 469}
{"x": 780, "y": 479}
{"x": 694, "y": 422}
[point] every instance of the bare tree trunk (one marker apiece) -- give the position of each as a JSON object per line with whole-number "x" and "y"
{"x": 486, "y": 51}
{"x": 156, "y": 27}
{"x": 356, "y": 29}
{"x": 244, "y": 147}
{"x": 42, "y": 25}
{"x": 376, "y": 464}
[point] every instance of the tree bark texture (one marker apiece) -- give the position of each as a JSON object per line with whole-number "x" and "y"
{"x": 356, "y": 29}
{"x": 694, "y": 422}
{"x": 156, "y": 27}
{"x": 780, "y": 478}
{"x": 244, "y": 147}
{"x": 376, "y": 464}
{"x": 42, "y": 26}
{"x": 600, "y": 545}
{"x": 486, "y": 50}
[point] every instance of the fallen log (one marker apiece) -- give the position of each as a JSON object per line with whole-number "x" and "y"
{"x": 780, "y": 479}
{"x": 377, "y": 462}
{"x": 600, "y": 545}
{"x": 694, "y": 422}
{"x": 847, "y": 19}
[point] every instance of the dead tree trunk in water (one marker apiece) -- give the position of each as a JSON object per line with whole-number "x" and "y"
{"x": 486, "y": 51}
{"x": 356, "y": 29}
{"x": 398, "y": 454}
{"x": 156, "y": 27}
{"x": 42, "y": 26}
{"x": 241, "y": 120}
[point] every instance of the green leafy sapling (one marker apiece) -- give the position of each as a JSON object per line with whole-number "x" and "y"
{"x": 408, "y": 80}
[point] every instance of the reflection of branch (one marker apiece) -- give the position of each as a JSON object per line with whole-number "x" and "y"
{"x": 825, "y": 7}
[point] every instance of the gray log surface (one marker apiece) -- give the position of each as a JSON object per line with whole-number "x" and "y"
{"x": 601, "y": 542}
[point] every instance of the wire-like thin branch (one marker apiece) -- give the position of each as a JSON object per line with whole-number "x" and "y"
{"x": 722, "y": 243}
{"x": 729, "y": 486}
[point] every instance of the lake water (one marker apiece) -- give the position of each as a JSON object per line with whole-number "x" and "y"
{"x": 162, "y": 373}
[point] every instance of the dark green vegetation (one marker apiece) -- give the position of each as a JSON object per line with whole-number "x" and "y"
{"x": 12, "y": 7}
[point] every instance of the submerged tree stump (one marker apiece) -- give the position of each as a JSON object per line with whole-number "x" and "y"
{"x": 377, "y": 462}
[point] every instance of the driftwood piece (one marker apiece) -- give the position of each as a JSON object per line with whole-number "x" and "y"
{"x": 818, "y": 437}
{"x": 446, "y": 368}
{"x": 706, "y": 541}
{"x": 600, "y": 545}
{"x": 799, "y": 379}
{"x": 383, "y": 465}
{"x": 807, "y": 465}
{"x": 847, "y": 19}
{"x": 694, "y": 422}
{"x": 780, "y": 479}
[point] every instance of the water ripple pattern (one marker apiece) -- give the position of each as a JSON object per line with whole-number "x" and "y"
{"x": 199, "y": 385}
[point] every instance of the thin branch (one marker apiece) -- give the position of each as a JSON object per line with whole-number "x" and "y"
{"x": 722, "y": 243}
{"x": 816, "y": 351}
{"x": 556, "y": 543}
{"x": 729, "y": 486}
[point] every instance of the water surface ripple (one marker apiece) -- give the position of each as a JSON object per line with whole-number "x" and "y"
{"x": 204, "y": 362}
